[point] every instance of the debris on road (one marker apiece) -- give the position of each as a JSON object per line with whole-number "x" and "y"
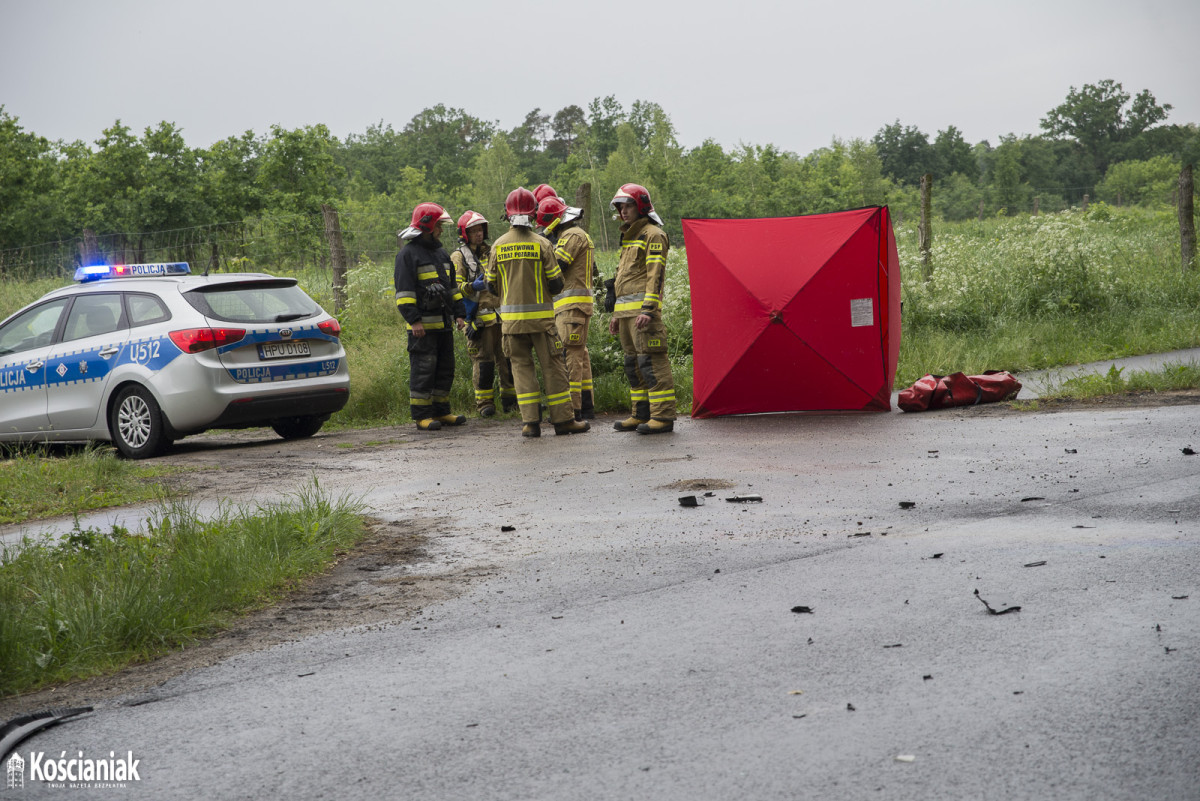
{"x": 745, "y": 499}
{"x": 936, "y": 556}
{"x": 795, "y": 692}
{"x": 907, "y": 504}
{"x": 805, "y": 610}
{"x": 860, "y": 534}
{"x": 927, "y": 677}
{"x": 22, "y": 727}
{"x": 691, "y": 501}
{"x": 1173, "y": 598}
{"x": 1071, "y": 450}
{"x": 609, "y": 470}
{"x": 992, "y": 611}
{"x": 1036, "y": 564}
{"x": 897, "y": 645}
{"x": 508, "y": 528}
{"x": 850, "y": 708}
{"x": 1032, "y": 498}
{"x": 1188, "y": 451}
{"x": 905, "y": 758}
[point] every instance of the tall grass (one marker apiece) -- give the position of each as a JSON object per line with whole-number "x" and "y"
{"x": 35, "y": 484}
{"x": 96, "y": 601}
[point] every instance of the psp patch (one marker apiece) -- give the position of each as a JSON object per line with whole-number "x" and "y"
{"x": 574, "y": 336}
{"x": 655, "y": 343}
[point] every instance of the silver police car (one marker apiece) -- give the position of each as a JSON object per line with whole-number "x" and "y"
{"x": 143, "y": 354}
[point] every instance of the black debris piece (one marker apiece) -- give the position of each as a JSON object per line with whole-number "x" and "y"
{"x": 1036, "y": 564}
{"x": 1158, "y": 627}
{"x": 609, "y": 470}
{"x": 850, "y": 708}
{"x": 556, "y": 617}
{"x": 1070, "y": 450}
{"x": 1179, "y": 597}
{"x": 810, "y": 640}
{"x": 1018, "y": 692}
{"x": 992, "y": 611}
{"x": 709, "y": 494}
{"x": 802, "y": 610}
{"x": 718, "y": 570}
{"x": 927, "y": 677}
{"x": 508, "y": 528}
{"x": 1188, "y": 452}
{"x": 860, "y": 534}
{"x": 907, "y": 504}
{"x": 745, "y": 499}
{"x": 302, "y": 675}
{"x": 1032, "y": 498}
{"x": 797, "y": 717}
{"x": 22, "y": 727}
{"x": 472, "y": 725}
{"x": 897, "y": 645}
{"x": 1082, "y": 526}
{"x": 690, "y": 501}
{"x": 936, "y": 556}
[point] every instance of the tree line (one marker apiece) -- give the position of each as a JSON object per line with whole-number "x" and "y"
{"x": 1101, "y": 141}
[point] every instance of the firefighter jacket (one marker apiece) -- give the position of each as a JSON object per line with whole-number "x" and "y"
{"x": 574, "y": 252}
{"x": 522, "y": 271}
{"x": 466, "y": 269}
{"x": 642, "y": 269}
{"x": 425, "y": 290}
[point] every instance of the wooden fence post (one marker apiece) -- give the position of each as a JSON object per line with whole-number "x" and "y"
{"x": 981, "y": 210}
{"x": 1187, "y": 219}
{"x": 924, "y": 231}
{"x": 1036, "y": 199}
{"x": 1085, "y": 202}
{"x": 337, "y": 252}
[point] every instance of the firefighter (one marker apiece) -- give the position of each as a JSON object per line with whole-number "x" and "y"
{"x": 544, "y": 191}
{"x": 482, "y": 329}
{"x": 573, "y": 307}
{"x": 521, "y": 269}
{"x": 637, "y": 315}
{"x": 428, "y": 299}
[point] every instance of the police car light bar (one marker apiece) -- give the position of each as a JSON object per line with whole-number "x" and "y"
{"x": 100, "y": 272}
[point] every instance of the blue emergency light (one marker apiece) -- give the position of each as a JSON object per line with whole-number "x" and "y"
{"x": 104, "y": 272}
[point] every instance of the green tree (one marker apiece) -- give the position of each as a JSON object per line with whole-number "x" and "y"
{"x": 297, "y": 170}
{"x": 604, "y": 116}
{"x": 496, "y": 172}
{"x": 1100, "y": 118}
{"x": 29, "y": 176}
{"x": 905, "y": 153}
{"x": 953, "y": 154}
{"x": 169, "y": 193}
{"x": 444, "y": 143}
{"x": 228, "y": 178}
{"x": 1145, "y": 182}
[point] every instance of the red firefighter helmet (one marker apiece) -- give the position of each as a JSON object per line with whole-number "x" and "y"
{"x": 424, "y": 217}
{"x": 469, "y": 220}
{"x": 520, "y": 202}
{"x": 426, "y": 214}
{"x": 544, "y": 191}
{"x": 550, "y": 210}
{"x": 634, "y": 193}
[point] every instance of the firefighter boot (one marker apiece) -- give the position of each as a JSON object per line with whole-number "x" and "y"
{"x": 487, "y": 411}
{"x": 531, "y": 430}
{"x": 641, "y": 414}
{"x": 451, "y": 419}
{"x": 508, "y": 403}
{"x": 588, "y": 407}
{"x": 578, "y": 416}
{"x": 429, "y": 424}
{"x": 572, "y": 427}
{"x": 656, "y": 426}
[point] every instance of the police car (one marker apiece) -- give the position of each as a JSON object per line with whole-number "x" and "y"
{"x": 143, "y": 354}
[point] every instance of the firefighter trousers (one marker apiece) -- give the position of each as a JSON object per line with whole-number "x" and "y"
{"x": 573, "y": 332}
{"x": 430, "y": 373}
{"x": 488, "y": 359}
{"x": 520, "y": 349}
{"x": 647, "y": 368}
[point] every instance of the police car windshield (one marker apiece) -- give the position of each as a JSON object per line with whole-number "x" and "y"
{"x": 258, "y": 302}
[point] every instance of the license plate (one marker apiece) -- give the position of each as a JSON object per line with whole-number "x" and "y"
{"x": 283, "y": 350}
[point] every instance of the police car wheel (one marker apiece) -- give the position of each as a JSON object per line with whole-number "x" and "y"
{"x": 298, "y": 427}
{"x": 136, "y": 424}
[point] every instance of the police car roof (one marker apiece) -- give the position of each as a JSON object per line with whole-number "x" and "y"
{"x": 183, "y": 281}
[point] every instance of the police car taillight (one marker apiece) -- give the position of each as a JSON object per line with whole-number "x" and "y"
{"x": 331, "y": 327}
{"x": 195, "y": 340}
{"x": 102, "y": 272}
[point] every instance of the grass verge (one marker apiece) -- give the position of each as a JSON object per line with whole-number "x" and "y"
{"x": 97, "y": 601}
{"x": 35, "y": 484}
{"x": 1174, "y": 376}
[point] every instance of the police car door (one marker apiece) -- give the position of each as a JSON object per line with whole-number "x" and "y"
{"x": 79, "y": 366}
{"x": 25, "y": 343}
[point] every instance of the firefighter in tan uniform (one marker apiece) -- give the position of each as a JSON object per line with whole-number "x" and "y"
{"x": 637, "y": 316}
{"x": 483, "y": 324}
{"x": 522, "y": 271}
{"x": 573, "y": 307}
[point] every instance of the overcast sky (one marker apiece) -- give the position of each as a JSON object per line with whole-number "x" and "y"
{"x": 793, "y": 74}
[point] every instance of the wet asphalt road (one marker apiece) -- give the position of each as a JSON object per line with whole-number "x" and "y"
{"x": 625, "y": 647}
